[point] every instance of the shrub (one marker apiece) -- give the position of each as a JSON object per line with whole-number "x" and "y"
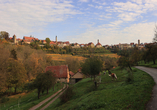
{"x": 4, "y": 99}
{"x": 129, "y": 78}
{"x": 66, "y": 96}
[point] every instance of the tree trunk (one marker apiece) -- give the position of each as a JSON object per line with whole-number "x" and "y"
{"x": 42, "y": 91}
{"x": 38, "y": 94}
{"x": 130, "y": 68}
{"x": 47, "y": 90}
{"x": 154, "y": 62}
{"x": 53, "y": 88}
{"x": 15, "y": 89}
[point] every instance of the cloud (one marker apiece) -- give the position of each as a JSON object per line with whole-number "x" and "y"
{"x": 132, "y": 10}
{"x": 83, "y": 0}
{"x": 99, "y": 7}
{"x": 113, "y": 35}
{"x": 22, "y": 17}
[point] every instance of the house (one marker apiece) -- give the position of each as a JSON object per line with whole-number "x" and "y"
{"x": 76, "y": 45}
{"x": 71, "y": 74}
{"x": 52, "y": 43}
{"x": 90, "y": 44}
{"x": 98, "y": 45}
{"x": 61, "y": 72}
{"x": 76, "y": 77}
{"x": 28, "y": 40}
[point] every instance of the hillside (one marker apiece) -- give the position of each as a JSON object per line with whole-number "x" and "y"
{"x": 110, "y": 95}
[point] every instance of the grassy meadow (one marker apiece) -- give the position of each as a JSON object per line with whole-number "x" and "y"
{"x": 110, "y": 95}
{"x": 148, "y": 64}
{"x": 25, "y": 101}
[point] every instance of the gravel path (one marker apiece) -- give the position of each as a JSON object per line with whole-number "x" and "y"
{"x": 52, "y": 100}
{"x": 44, "y": 101}
{"x": 152, "y": 104}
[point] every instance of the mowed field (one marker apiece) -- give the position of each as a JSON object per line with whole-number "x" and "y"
{"x": 59, "y": 57}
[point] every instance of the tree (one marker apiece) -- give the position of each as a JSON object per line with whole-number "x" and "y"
{"x": 13, "y": 54}
{"x": 16, "y": 74}
{"x": 152, "y": 53}
{"x": 4, "y": 34}
{"x": 92, "y": 66}
{"x": 125, "y": 60}
{"x": 48, "y": 40}
{"x": 73, "y": 64}
{"x": 155, "y": 35}
{"x": 44, "y": 81}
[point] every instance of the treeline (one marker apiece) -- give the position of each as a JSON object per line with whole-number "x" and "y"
{"x": 20, "y": 65}
{"x": 134, "y": 56}
{"x": 67, "y": 49}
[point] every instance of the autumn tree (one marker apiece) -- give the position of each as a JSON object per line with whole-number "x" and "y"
{"x": 73, "y": 64}
{"x": 16, "y": 74}
{"x": 4, "y": 34}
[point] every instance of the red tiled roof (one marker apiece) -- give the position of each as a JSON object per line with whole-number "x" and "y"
{"x": 71, "y": 73}
{"x": 52, "y": 42}
{"x": 19, "y": 39}
{"x": 90, "y": 43}
{"x": 98, "y": 44}
{"x": 59, "y": 71}
{"x": 67, "y": 42}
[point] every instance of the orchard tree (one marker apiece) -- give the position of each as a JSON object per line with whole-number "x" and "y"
{"x": 44, "y": 81}
{"x": 92, "y": 66}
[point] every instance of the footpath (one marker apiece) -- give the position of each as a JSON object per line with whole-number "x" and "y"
{"x": 152, "y": 104}
{"x": 46, "y": 100}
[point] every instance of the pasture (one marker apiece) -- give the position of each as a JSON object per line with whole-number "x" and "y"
{"x": 110, "y": 95}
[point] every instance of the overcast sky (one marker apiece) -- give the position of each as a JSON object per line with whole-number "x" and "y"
{"x": 81, "y": 21}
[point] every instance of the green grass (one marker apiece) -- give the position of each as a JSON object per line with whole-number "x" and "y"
{"x": 28, "y": 100}
{"x": 110, "y": 95}
{"x": 148, "y": 64}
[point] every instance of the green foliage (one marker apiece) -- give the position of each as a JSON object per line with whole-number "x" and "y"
{"x": 4, "y": 99}
{"x": 67, "y": 95}
{"x": 48, "y": 40}
{"x": 92, "y": 66}
{"x": 4, "y": 34}
{"x": 44, "y": 81}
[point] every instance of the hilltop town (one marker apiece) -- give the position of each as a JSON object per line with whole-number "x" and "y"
{"x": 61, "y": 44}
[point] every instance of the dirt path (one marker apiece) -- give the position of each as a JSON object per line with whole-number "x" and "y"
{"x": 44, "y": 101}
{"x": 152, "y": 104}
{"x": 52, "y": 100}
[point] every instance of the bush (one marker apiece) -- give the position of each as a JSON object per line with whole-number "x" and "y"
{"x": 4, "y": 99}
{"x": 66, "y": 96}
{"x": 129, "y": 78}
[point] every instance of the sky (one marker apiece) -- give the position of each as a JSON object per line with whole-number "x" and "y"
{"x": 81, "y": 21}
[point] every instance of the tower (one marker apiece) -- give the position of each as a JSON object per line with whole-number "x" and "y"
{"x": 138, "y": 42}
{"x": 98, "y": 40}
{"x": 14, "y": 38}
{"x": 56, "y": 39}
